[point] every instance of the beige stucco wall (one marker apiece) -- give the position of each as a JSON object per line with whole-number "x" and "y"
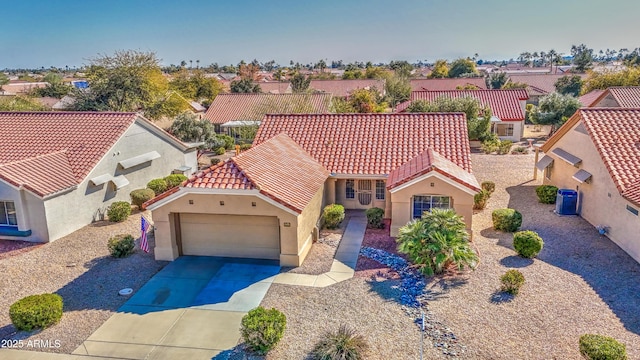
{"x": 295, "y": 230}
{"x": 599, "y": 201}
{"x": 401, "y": 212}
{"x": 71, "y": 210}
{"x": 607, "y": 101}
{"x": 341, "y": 198}
{"x": 30, "y": 213}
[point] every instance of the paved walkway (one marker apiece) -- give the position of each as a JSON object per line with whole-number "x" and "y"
{"x": 344, "y": 263}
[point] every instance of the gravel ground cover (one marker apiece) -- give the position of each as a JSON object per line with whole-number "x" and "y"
{"x": 13, "y": 247}
{"x": 77, "y": 267}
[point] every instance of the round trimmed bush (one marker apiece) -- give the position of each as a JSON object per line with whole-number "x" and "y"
{"x": 215, "y": 161}
{"x": 343, "y": 344}
{"x": 174, "y": 180}
{"x": 489, "y": 186}
{"x": 480, "y": 199}
{"x": 119, "y": 211}
{"x": 506, "y": 220}
{"x": 121, "y": 245}
{"x": 36, "y": 311}
{"x": 600, "y": 347}
{"x": 527, "y": 243}
{"x": 374, "y": 218}
{"x": 547, "y": 194}
{"x": 262, "y": 329}
{"x": 333, "y": 215}
{"x": 512, "y": 280}
{"x": 158, "y": 186}
{"x": 140, "y": 196}
{"x": 220, "y": 151}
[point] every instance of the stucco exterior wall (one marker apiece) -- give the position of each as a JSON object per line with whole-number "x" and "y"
{"x": 607, "y": 101}
{"x": 401, "y": 200}
{"x": 70, "y": 211}
{"x": 234, "y": 204}
{"x": 518, "y": 131}
{"x": 599, "y": 201}
{"x": 341, "y": 195}
{"x": 307, "y": 229}
{"x": 29, "y": 211}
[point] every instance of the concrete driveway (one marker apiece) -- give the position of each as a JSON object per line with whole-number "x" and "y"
{"x": 191, "y": 309}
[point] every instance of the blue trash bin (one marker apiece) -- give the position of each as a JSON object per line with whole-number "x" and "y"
{"x": 566, "y": 202}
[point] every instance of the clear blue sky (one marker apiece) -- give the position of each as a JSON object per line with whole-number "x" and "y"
{"x": 37, "y": 33}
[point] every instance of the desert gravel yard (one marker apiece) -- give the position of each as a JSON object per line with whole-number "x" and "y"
{"x": 77, "y": 267}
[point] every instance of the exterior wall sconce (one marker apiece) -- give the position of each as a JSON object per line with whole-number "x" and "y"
{"x": 433, "y": 184}
{"x": 190, "y": 202}
{"x": 221, "y": 203}
{"x": 253, "y": 203}
{"x": 287, "y": 224}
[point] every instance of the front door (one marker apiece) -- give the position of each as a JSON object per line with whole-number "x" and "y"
{"x": 364, "y": 193}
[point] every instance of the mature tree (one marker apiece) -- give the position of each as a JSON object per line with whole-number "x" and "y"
{"x": 569, "y": 85}
{"x": 244, "y": 86}
{"x": 249, "y": 71}
{"x": 633, "y": 58}
{"x": 397, "y": 89}
{"x": 170, "y": 106}
{"x": 352, "y": 74}
{"x": 20, "y": 103}
{"x": 299, "y": 83}
{"x": 515, "y": 85}
{"x": 629, "y": 76}
{"x": 478, "y": 117}
{"x": 195, "y": 85}
{"x": 440, "y": 70}
{"x": 462, "y": 68}
{"x": 190, "y": 129}
{"x": 582, "y": 57}
{"x": 496, "y": 80}
{"x": 375, "y": 72}
{"x": 55, "y": 87}
{"x": 126, "y": 81}
{"x": 321, "y": 64}
{"x": 366, "y": 101}
{"x": 401, "y": 67}
{"x": 4, "y": 80}
{"x": 340, "y": 105}
{"x": 554, "y": 109}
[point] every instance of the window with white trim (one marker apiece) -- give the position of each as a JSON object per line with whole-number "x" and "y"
{"x": 422, "y": 203}
{"x": 350, "y": 192}
{"x": 380, "y": 189}
{"x": 547, "y": 171}
{"x": 8, "y": 214}
{"x": 505, "y": 129}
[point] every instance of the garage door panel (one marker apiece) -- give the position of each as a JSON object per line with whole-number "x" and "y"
{"x": 230, "y": 235}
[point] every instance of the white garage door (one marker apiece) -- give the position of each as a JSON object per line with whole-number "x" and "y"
{"x": 255, "y": 237}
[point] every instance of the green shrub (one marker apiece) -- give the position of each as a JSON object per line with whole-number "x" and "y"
{"x": 490, "y": 146}
{"x": 504, "y": 147}
{"x": 436, "y": 241}
{"x": 245, "y": 147}
{"x": 480, "y": 200}
{"x": 345, "y": 344}
{"x": 36, "y": 311}
{"x": 158, "y": 186}
{"x": 121, "y": 245}
{"x": 140, "y": 196}
{"x": 333, "y": 215}
{"x": 512, "y": 280}
{"x": 547, "y": 194}
{"x": 215, "y": 161}
{"x": 599, "y": 347}
{"x": 227, "y": 140}
{"x": 174, "y": 180}
{"x": 119, "y": 211}
{"x": 262, "y": 329}
{"x": 220, "y": 151}
{"x": 520, "y": 150}
{"x": 506, "y": 219}
{"x": 489, "y": 186}
{"x": 374, "y": 218}
{"x": 527, "y": 243}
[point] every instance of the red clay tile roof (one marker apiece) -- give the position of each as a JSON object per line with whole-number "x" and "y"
{"x": 589, "y": 99}
{"x": 278, "y": 168}
{"x": 232, "y": 107}
{"x": 446, "y": 84}
{"x": 505, "y": 104}
{"x": 71, "y": 142}
{"x": 615, "y": 133}
{"x": 344, "y": 88}
{"x": 541, "y": 84}
{"x": 427, "y": 162}
{"x": 626, "y": 97}
{"x": 372, "y": 144}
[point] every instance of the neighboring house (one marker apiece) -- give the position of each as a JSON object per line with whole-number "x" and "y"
{"x": 589, "y": 98}
{"x": 275, "y": 87}
{"x": 539, "y": 85}
{"x": 21, "y": 87}
{"x": 623, "y": 97}
{"x": 508, "y": 107}
{"x": 447, "y": 84}
{"x": 59, "y": 171}
{"x": 266, "y": 202}
{"x": 597, "y": 153}
{"x": 229, "y": 111}
{"x": 344, "y": 88}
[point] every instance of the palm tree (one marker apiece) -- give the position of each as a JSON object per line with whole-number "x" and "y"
{"x": 197, "y": 64}
{"x": 190, "y": 64}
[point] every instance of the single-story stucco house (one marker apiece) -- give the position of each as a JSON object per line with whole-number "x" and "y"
{"x": 59, "y": 171}
{"x": 597, "y": 153}
{"x": 266, "y": 202}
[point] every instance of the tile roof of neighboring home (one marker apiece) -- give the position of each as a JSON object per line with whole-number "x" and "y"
{"x": 615, "y": 133}
{"x": 50, "y": 151}
{"x": 446, "y": 84}
{"x": 589, "y": 99}
{"x": 429, "y": 161}
{"x": 505, "y": 104}
{"x": 278, "y": 168}
{"x": 22, "y": 87}
{"x": 47, "y": 101}
{"x": 343, "y": 88}
{"x": 625, "y": 96}
{"x": 231, "y": 107}
{"x": 275, "y": 87}
{"x": 372, "y": 144}
{"x": 540, "y": 84}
